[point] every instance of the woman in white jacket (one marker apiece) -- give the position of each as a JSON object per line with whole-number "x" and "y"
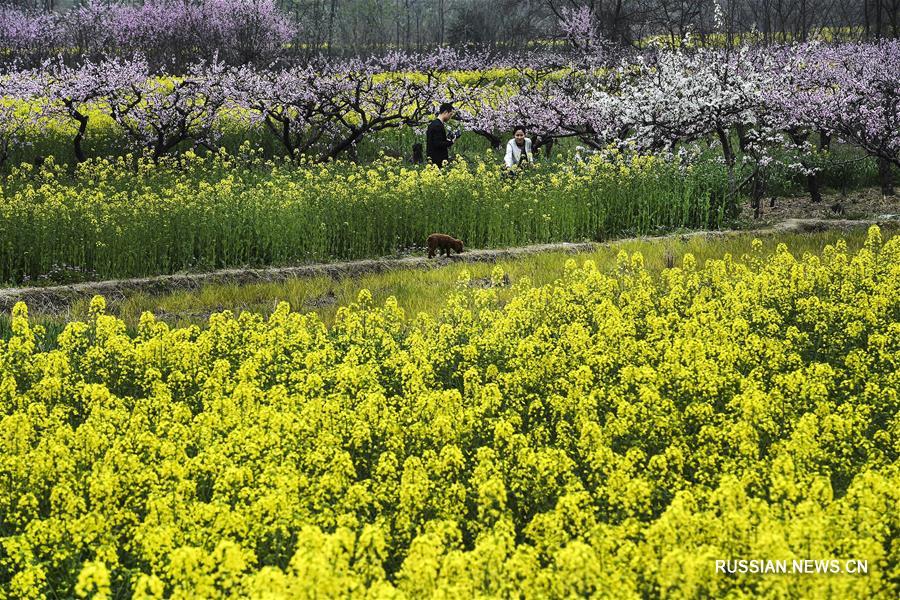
{"x": 518, "y": 149}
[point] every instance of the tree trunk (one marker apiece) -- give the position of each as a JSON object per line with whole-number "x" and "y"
{"x": 441, "y": 19}
{"x": 728, "y": 153}
{"x": 346, "y": 144}
{"x": 803, "y": 21}
{"x": 866, "y": 18}
{"x": 408, "y": 17}
{"x": 756, "y": 196}
{"x": 549, "y": 147}
{"x": 885, "y": 177}
{"x": 812, "y": 185}
{"x": 757, "y": 191}
{"x": 812, "y": 179}
{"x": 878, "y": 19}
{"x": 79, "y": 136}
{"x": 331, "y": 12}
{"x": 743, "y": 140}
{"x": 492, "y": 139}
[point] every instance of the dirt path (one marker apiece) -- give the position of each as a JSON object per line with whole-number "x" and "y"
{"x": 863, "y": 203}
{"x": 56, "y": 299}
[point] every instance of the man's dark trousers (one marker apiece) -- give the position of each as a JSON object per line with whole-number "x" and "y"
{"x": 437, "y": 146}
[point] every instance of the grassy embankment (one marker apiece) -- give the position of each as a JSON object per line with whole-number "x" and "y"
{"x": 425, "y": 290}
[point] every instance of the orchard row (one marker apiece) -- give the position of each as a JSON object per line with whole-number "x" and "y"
{"x": 746, "y": 101}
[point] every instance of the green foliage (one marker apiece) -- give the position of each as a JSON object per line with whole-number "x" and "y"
{"x": 109, "y": 220}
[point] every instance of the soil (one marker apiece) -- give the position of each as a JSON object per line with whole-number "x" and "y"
{"x": 866, "y": 203}
{"x": 326, "y": 299}
{"x": 788, "y": 215}
{"x": 485, "y": 282}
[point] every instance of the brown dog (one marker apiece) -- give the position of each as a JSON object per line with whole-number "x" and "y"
{"x": 444, "y": 243}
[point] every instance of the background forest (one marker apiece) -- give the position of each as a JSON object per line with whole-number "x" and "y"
{"x": 365, "y": 26}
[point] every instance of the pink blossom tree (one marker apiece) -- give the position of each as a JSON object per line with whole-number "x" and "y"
{"x": 158, "y": 114}
{"x": 20, "y": 109}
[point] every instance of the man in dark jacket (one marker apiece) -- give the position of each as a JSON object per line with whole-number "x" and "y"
{"x": 437, "y": 144}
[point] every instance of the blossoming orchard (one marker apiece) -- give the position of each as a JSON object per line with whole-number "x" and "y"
{"x": 659, "y": 334}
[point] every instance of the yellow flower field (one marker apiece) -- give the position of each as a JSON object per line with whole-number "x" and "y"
{"x": 603, "y": 435}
